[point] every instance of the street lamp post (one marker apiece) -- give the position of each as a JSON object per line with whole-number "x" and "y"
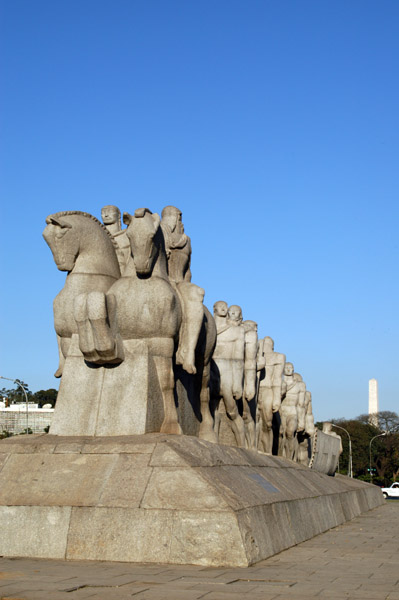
{"x": 376, "y": 436}
{"x": 350, "y": 465}
{"x": 26, "y": 398}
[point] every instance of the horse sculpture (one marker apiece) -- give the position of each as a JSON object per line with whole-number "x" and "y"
{"x": 125, "y": 338}
{"x": 82, "y": 246}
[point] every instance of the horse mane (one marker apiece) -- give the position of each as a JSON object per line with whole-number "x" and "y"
{"x": 65, "y": 213}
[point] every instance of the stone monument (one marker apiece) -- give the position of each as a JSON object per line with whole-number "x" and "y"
{"x": 115, "y": 479}
{"x": 373, "y": 402}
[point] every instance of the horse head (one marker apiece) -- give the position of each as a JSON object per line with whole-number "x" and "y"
{"x": 145, "y": 238}
{"x": 63, "y": 241}
{"x": 80, "y": 243}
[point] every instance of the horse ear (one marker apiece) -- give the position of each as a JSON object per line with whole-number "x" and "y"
{"x": 127, "y": 218}
{"x": 58, "y": 222}
{"x": 156, "y": 219}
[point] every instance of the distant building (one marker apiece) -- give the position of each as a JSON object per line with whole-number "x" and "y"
{"x": 373, "y": 402}
{"x": 14, "y": 419}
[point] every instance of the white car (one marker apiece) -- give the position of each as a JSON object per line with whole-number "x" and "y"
{"x": 391, "y": 492}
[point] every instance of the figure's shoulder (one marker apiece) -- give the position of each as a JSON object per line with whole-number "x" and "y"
{"x": 274, "y": 358}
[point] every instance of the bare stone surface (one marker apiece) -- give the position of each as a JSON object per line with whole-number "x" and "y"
{"x": 55, "y": 479}
{"x": 30, "y": 531}
{"x": 164, "y": 493}
{"x": 181, "y": 489}
{"x": 121, "y": 534}
{"x": 357, "y": 560}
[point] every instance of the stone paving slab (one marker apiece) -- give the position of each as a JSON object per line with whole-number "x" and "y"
{"x": 355, "y": 561}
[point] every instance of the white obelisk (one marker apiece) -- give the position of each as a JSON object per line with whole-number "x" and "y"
{"x": 373, "y": 402}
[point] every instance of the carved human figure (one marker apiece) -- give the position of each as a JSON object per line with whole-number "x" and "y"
{"x": 327, "y": 428}
{"x": 292, "y": 395}
{"x": 301, "y": 410}
{"x": 250, "y": 381}
{"x": 177, "y": 243}
{"x": 269, "y": 397}
{"x": 229, "y": 359}
{"x": 178, "y": 252}
{"x": 309, "y": 418}
{"x": 111, "y": 217}
{"x": 305, "y": 436}
{"x": 220, "y": 315}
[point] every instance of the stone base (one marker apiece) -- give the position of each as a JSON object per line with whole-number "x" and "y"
{"x": 163, "y": 499}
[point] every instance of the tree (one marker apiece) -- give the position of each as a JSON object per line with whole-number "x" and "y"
{"x": 43, "y": 397}
{"x": 387, "y": 420}
{"x": 14, "y": 395}
{"x": 384, "y": 450}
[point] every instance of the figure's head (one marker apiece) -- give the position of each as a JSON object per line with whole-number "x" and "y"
{"x": 327, "y": 427}
{"x": 220, "y": 308}
{"x": 288, "y": 369}
{"x": 250, "y": 326}
{"x": 171, "y": 216}
{"x": 110, "y": 214}
{"x": 268, "y": 344}
{"x": 297, "y": 377}
{"x": 145, "y": 239}
{"x": 235, "y": 314}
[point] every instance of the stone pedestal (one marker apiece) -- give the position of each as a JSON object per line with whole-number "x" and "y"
{"x": 163, "y": 499}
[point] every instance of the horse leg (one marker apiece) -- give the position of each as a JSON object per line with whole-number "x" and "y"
{"x": 166, "y": 378}
{"x": 61, "y": 356}
{"x": 193, "y": 317}
{"x": 86, "y": 339}
{"x": 206, "y": 430}
{"x": 104, "y": 340}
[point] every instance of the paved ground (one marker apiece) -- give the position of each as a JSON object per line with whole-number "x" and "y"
{"x": 358, "y": 560}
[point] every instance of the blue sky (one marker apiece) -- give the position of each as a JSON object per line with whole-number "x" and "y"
{"x": 272, "y": 125}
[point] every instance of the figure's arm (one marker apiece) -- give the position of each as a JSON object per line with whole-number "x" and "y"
{"x": 179, "y": 243}
{"x": 301, "y": 410}
{"x": 260, "y": 358}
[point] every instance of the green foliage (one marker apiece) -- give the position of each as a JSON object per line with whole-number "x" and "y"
{"x": 16, "y": 395}
{"x": 43, "y": 397}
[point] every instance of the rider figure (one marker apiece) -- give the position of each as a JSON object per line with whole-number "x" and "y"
{"x": 111, "y": 216}
{"x": 178, "y": 251}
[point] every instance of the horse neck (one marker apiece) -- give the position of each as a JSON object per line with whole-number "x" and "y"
{"x": 160, "y": 267}
{"x": 98, "y": 260}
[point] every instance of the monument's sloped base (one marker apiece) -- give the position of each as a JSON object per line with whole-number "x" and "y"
{"x": 163, "y": 499}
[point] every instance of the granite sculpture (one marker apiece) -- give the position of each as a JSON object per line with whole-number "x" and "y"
{"x": 304, "y": 437}
{"x": 134, "y": 334}
{"x": 269, "y": 398}
{"x": 111, "y": 217}
{"x": 251, "y": 367}
{"x": 118, "y": 335}
{"x": 292, "y": 395}
{"x": 228, "y": 359}
{"x": 327, "y": 428}
{"x": 135, "y": 346}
